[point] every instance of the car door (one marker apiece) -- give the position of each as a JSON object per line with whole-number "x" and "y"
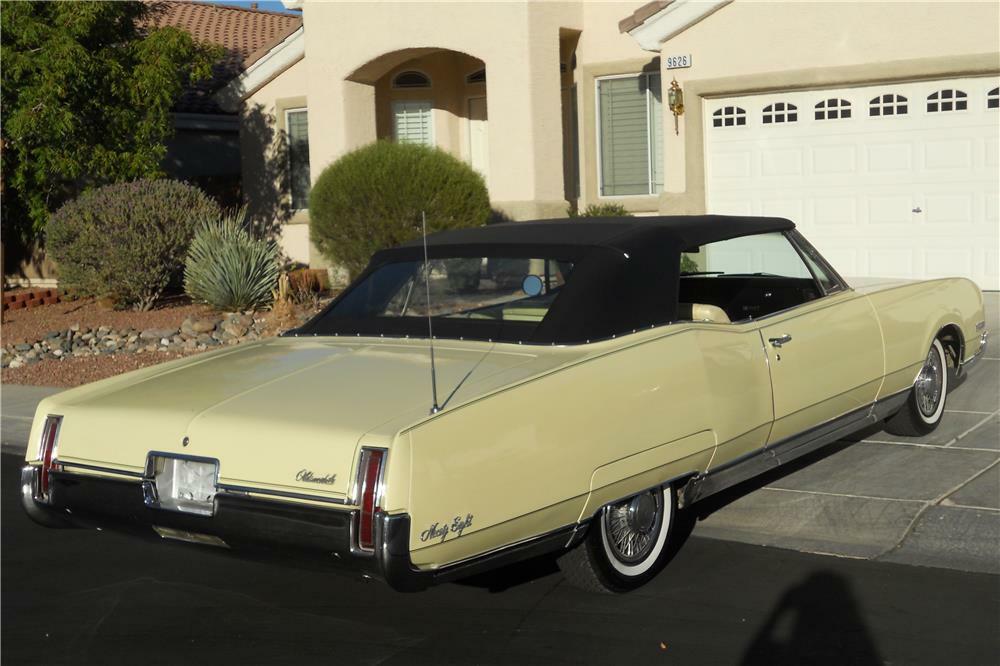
{"x": 821, "y": 342}
{"x": 826, "y": 356}
{"x": 825, "y": 359}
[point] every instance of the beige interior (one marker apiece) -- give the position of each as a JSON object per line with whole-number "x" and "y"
{"x": 705, "y": 312}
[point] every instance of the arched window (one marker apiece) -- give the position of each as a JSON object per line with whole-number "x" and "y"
{"x": 888, "y": 105}
{"x": 411, "y": 79}
{"x": 832, "y": 109}
{"x": 993, "y": 99}
{"x": 478, "y": 76}
{"x": 728, "y": 116}
{"x": 947, "y": 100}
{"x": 780, "y": 112}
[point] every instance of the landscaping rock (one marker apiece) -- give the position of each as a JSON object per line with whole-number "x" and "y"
{"x": 205, "y": 325}
{"x": 237, "y": 325}
{"x": 157, "y": 333}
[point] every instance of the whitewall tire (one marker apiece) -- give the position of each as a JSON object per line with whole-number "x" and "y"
{"x": 924, "y": 407}
{"x": 626, "y": 543}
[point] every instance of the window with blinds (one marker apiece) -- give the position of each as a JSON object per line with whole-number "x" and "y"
{"x": 412, "y": 122}
{"x": 297, "y": 124}
{"x": 630, "y": 135}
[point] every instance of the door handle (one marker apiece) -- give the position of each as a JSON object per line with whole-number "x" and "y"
{"x": 782, "y": 340}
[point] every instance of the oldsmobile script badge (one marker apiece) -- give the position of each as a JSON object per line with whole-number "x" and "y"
{"x": 307, "y": 476}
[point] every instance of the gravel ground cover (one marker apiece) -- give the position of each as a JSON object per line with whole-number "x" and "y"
{"x": 69, "y": 344}
{"x": 27, "y": 325}
{"x": 76, "y": 371}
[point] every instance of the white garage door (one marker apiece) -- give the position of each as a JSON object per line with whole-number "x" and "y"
{"x": 898, "y": 180}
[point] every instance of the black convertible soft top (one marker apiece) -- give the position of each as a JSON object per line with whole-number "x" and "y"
{"x": 625, "y": 276}
{"x": 657, "y": 233}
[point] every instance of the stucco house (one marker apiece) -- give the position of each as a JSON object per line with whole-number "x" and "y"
{"x": 873, "y": 125}
{"x": 205, "y": 147}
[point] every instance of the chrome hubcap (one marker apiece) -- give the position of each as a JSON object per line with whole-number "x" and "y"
{"x": 929, "y": 383}
{"x": 632, "y": 526}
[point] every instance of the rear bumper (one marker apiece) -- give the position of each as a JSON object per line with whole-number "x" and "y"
{"x": 264, "y": 528}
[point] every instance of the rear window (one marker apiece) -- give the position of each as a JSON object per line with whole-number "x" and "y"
{"x": 475, "y": 288}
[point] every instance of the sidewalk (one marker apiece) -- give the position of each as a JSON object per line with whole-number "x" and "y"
{"x": 933, "y": 501}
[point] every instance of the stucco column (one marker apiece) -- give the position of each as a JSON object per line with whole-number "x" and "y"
{"x": 342, "y": 120}
{"x": 525, "y": 128}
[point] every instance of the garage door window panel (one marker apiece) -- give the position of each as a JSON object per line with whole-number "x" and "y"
{"x": 746, "y": 278}
{"x": 947, "y": 100}
{"x": 780, "y": 112}
{"x": 833, "y": 109}
{"x": 888, "y": 105}
{"x": 993, "y": 99}
{"x": 630, "y": 135}
{"x": 729, "y": 116}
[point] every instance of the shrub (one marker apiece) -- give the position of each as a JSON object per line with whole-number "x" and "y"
{"x": 229, "y": 267}
{"x": 127, "y": 241}
{"x": 601, "y": 210}
{"x": 372, "y": 198}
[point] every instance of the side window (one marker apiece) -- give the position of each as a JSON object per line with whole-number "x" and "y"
{"x": 743, "y": 278}
{"x": 297, "y": 122}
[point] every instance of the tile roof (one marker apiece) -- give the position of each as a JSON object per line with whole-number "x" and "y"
{"x": 639, "y": 16}
{"x": 245, "y": 35}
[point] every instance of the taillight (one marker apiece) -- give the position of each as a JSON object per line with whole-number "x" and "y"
{"x": 47, "y": 454}
{"x": 369, "y": 495}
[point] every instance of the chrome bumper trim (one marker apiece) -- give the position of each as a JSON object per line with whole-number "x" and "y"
{"x": 972, "y": 361}
{"x": 255, "y": 526}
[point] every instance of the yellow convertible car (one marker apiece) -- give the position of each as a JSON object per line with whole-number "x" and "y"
{"x": 492, "y": 394}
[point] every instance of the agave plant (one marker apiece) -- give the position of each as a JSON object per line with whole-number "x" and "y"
{"x": 229, "y": 267}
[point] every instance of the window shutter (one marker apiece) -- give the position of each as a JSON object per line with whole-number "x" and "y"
{"x": 624, "y": 140}
{"x": 656, "y": 132}
{"x": 412, "y": 122}
{"x": 298, "y": 157}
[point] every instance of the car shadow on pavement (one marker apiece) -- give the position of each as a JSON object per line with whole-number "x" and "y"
{"x": 815, "y": 622}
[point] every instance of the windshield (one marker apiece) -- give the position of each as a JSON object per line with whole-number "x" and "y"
{"x": 486, "y": 289}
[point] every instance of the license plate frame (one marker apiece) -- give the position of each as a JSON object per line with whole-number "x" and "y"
{"x": 181, "y": 483}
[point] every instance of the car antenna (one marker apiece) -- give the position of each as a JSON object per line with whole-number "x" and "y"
{"x": 430, "y": 327}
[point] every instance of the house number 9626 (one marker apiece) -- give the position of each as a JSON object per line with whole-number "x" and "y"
{"x": 678, "y": 61}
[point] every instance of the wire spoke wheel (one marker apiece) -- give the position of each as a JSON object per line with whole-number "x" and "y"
{"x": 632, "y": 526}
{"x": 930, "y": 383}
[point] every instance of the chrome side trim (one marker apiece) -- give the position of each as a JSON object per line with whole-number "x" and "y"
{"x": 774, "y": 455}
{"x": 104, "y": 470}
{"x": 226, "y": 488}
{"x": 231, "y": 489}
{"x": 967, "y": 364}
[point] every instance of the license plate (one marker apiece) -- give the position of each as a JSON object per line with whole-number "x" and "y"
{"x": 182, "y": 484}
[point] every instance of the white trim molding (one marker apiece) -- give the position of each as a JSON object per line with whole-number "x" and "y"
{"x": 672, "y": 20}
{"x": 284, "y": 54}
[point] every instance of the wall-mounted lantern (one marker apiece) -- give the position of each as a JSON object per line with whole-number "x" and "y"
{"x": 675, "y": 102}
